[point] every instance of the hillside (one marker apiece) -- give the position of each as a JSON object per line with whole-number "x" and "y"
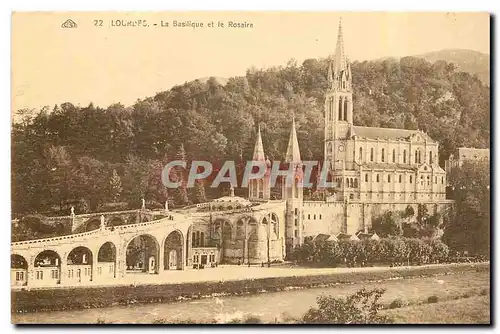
{"x": 467, "y": 60}
{"x": 69, "y": 152}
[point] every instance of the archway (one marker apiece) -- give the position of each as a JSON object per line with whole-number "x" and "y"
{"x": 18, "y": 270}
{"x": 115, "y": 221}
{"x": 106, "y": 261}
{"x": 47, "y": 268}
{"x": 173, "y": 251}
{"x": 142, "y": 254}
{"x": 80, "y": 264}
{"x": 92, "y": 224}
{"x": 274, "y": 226}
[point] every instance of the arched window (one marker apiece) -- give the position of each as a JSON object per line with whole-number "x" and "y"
{"x": 355, "y": 183}
{"x": 347, "y": 182}
{"x": 404, "y": 156}
{"x": 383, "y": 155}
{"x": 378, "y": 179}
{"x": 366, "y": 177}
{"x": 435, "y": 179}
{"x": 340, "y": 108}
{"x": 416, "y": 156}
{"x": 371, "y": 154}
{"x": 314, "y": 216}
{"x": 400, "y": 178}
{"x": 193, "y": 240}
{"x": 411, "y": 179}
{"x": 393, "y": 155}
{"x": 197, "y": 242}
{"x": 345, "y": 109}
{"x": 430, "y": 157}
{"x": 360, "y": 154}
{"x": 308, "y": 216}
{"x": 202, "y": 239}
{"x": 296, "y": 188}
{"x": 419, "y": 156}
{"x": 389, "y": 178}
{"x": 442, "y": 179}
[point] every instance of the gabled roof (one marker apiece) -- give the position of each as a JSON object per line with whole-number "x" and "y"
{"x": 388, "y": 133}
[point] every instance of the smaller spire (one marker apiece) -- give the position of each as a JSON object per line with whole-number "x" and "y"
{"x": 258, "y": 152}
{"x": 330, "y": 70}
{"x": 293, "y": 151}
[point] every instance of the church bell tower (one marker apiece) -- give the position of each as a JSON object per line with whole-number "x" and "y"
{"x": 338, "y": 105}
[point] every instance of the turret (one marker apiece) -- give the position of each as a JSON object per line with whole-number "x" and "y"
{"x": 293, "y": 194}
{"x": 260, "y": 189}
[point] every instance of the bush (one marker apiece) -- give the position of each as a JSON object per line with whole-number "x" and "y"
{"x": 359, "y": 308}
{"x": 397, "y": 303}
{"x": 432, "y": 299}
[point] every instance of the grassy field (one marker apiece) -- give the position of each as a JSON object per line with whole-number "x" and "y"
{"x": 473, "y": 310}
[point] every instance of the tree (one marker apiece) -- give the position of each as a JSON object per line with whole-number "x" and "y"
{"x": 91, "y": 182}
{"x": 115, "y": 186}
{"x": 386, "y": 225}
{"x": 469, "y": 228}
{"x": 361, "y": 307}
{"x": 198, "y": 193}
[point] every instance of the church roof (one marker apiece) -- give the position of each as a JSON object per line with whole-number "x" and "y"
{"x": 388, "y": 133}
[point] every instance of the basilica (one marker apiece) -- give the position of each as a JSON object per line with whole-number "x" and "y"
{"x": 374, "y": 169}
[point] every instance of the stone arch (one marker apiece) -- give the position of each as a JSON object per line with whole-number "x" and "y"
{"x": 47, "y": 258}
{"x": 115, "y": 221}
{"x": 18, "y": 270}
{"x": 18, "y": 262}
{"x": 106, "y": 260}
{"x": 107, "y": 252}
{"x": 173, "y": 253}
{"x": 47, "y": 268}
{"x": 79, "y": 255}
{"x": 142, "y": 254}
{"x": 80, "y": 266}
{"x": 92, "y": 224}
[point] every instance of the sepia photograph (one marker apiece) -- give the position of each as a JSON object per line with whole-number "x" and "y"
{"x": 250, "y": 168}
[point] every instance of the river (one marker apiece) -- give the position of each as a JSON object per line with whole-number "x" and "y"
{"x": 268, "y": 306}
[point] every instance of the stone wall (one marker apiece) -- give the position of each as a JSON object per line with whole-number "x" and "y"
{"x": 351, "y": 217}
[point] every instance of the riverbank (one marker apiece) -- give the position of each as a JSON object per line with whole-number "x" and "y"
{"x": 97, "y": 297}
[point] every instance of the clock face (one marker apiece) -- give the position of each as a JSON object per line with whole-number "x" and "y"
{"x": 341, "y": 148}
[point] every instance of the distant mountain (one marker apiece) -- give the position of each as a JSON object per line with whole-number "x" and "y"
{"x": 470, "y": 61}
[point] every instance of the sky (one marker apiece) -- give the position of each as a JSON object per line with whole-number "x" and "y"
{"x": 105, "y": 64}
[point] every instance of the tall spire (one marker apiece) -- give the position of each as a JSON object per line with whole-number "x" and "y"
{"x": 340, "y": 59}
{"x": 258, "y": 151}
{"x": 293, "y": 151}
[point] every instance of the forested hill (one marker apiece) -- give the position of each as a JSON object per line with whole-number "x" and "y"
{"x": 470, "y": 61}
{"x": 218, "y": 122}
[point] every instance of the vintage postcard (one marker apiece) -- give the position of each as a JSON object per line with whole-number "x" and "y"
{"x": 250, "y": 167}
